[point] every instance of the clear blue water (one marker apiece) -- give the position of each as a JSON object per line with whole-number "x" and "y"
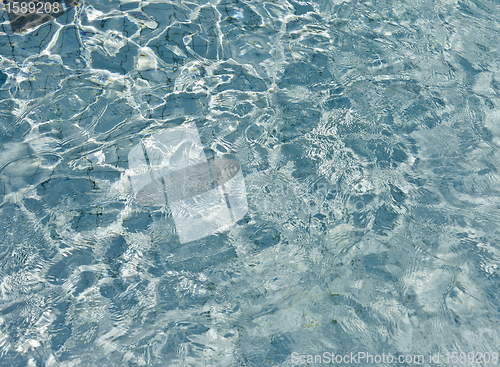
{"x": 369, "y": 137}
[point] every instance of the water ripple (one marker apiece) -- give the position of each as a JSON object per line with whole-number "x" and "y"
{"x": 368, "y": 136}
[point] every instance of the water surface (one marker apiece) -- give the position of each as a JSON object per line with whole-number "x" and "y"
{"x": 369, "y": 137}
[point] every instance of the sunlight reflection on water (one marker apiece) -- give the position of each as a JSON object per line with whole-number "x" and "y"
{"x": 368, "y": 140}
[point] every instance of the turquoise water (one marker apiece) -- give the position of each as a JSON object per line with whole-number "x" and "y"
{"x": 368, "y": 134}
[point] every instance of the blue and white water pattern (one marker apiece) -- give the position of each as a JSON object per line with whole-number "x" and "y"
{"x": 368, "y": 135}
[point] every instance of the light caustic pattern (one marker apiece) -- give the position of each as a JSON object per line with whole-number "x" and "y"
{"x": 368, "y": 136}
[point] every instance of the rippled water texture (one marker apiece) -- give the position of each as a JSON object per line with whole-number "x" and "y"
{"x": 369, "y": 137}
